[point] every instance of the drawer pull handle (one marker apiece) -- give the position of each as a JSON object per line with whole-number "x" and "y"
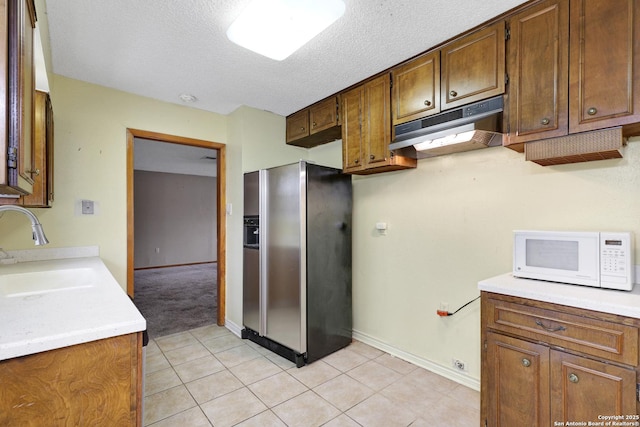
{"x": 526, "y": 362}
{"x": 573, "y": 378}
{"x": 549, "y": 328}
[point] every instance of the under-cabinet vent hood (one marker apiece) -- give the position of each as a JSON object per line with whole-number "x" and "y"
{"x": 471, "y": 127}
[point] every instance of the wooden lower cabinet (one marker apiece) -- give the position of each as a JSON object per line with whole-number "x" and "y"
{"x": 584, "y": 389}
{"x": 518, "y": 382}
{"x": 530, "y": 377}
{"x": 97, "y": 383}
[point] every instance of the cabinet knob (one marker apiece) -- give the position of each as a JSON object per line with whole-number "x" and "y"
{"x": 356, "y": 161}
{"x": 314, "y": 124}
{"x": 544, "y": 121}
{"x": 302, "y": 129}
{"x": 427, "y": 102}
{"x": 526, "y": 362}
{"x": 573, "y": 378}
{"x": 453, "y": 93}
{"x": 592, "y": 111}
{"x": 371, "y": 156}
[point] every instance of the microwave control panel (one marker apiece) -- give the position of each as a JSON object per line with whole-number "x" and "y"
{"x": 616, "y": 261}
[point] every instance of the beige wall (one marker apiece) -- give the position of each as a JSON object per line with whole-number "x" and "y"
{"x": 90, "y": 163}
{"x": 175, "y": 219}
{"x": 450, "y": 225}
{"x": 450, "y": 220}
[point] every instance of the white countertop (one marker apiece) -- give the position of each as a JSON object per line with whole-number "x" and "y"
{"x": 40, "y": 321}
{"x": 624, "y": 303}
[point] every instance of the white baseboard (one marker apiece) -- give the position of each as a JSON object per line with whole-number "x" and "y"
{"x": 416, "y": 360}
{"x": 233, "y": 327}
{"x": 436, "y": 368}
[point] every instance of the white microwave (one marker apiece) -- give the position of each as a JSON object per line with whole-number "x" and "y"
{"x": 599, "y": 259}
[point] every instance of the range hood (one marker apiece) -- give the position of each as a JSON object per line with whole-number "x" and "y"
{"x": 471, "y": 127}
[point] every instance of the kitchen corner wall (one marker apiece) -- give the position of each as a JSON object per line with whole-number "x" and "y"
{"x": 450, "y": 224}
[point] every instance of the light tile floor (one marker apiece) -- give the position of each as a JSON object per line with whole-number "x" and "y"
{"x": 210, "y": 377}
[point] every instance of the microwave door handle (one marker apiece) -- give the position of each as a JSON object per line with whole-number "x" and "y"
{"x": 549, "y": 328}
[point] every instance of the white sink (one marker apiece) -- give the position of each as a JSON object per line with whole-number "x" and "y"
{"x": 42, "y": 282}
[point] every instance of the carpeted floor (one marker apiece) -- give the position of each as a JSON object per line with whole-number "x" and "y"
{"x": 176, "y": 299}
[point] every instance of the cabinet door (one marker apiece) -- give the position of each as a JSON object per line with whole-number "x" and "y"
{"x": 298, "y": 125}
{"x": 416, "y": 88}
{"x": 376, "y": 121}
{"x": 42, "y": 195}
{"x": 323, "y": 115}
{"x": 584, "y": 388}
{"x": 16, "y": 31}
{"x": 90, "y": 384}
{"x": 352, "y": 130}
{"x": 473, "y": 67}
{"x": 517, "y": 373}
{"x": 604, "y": 64}
{"x": 538, "y": 69}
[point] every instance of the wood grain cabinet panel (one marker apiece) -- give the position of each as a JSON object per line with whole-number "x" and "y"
{"x": 92, "y": 384}
{"x": 17, "y": 26}
{"x": 573, "y": 67}
{"x": 604, "y": 64}
{"x": 352, "y": 104}
{"x": 518, "y": 392}
{"x": 298, "y": 125}
{"x": 538, "y": 69}
{"x": 42, "y": 195}
{"x": 416, "y": 88}
{"x": 583, "y": 389}
{"x": 544, "y": 363}
{"x": 315, "y": 125}
{"x": 366, "y": 129}
{"x": 473, "y": 67}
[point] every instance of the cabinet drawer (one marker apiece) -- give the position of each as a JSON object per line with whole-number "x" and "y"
{"x": 601, "y": 338}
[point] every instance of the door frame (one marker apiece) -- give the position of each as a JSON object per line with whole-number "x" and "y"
{"x": 221, "y": 204}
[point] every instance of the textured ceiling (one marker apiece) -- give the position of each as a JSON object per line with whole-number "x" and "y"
{"x": 164, "y": 48}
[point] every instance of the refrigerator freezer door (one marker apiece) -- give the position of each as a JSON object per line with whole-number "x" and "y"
{"x": 251, "y": 289}
{"x": 283, "y": 230}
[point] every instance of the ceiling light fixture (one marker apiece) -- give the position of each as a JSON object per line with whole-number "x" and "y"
{"x": 277, "y": 28}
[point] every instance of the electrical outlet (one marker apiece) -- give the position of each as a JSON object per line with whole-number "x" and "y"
{"x": 459, "y": 365}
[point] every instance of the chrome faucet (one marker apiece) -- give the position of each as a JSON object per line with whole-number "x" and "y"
{"x": 38, "y": 233}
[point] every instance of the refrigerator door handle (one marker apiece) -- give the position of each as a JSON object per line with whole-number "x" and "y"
{"x": 264, "y": 220}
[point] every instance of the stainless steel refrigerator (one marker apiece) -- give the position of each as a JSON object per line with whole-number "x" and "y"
{"x": 297, "y": 260}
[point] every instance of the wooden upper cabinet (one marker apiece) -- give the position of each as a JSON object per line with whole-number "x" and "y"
{"x": 17, "y": 28}
{"x": 604, "y": 64}
{"x": 377, "y": 123}
{"x": 315, "y": 125}
{"x": 352, "y": 130}
{"x": 416, "y": 88}
{"x": 473, "y": 67}
{"x": 324, "y": 115}
{"x": 298, "y": 125}
{"x": 42, "y": 196}
{"x": 538, "y": 70}
{"x": 366, "y": 129}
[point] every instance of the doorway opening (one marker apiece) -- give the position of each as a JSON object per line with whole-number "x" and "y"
{"x": 220, "y": 226}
